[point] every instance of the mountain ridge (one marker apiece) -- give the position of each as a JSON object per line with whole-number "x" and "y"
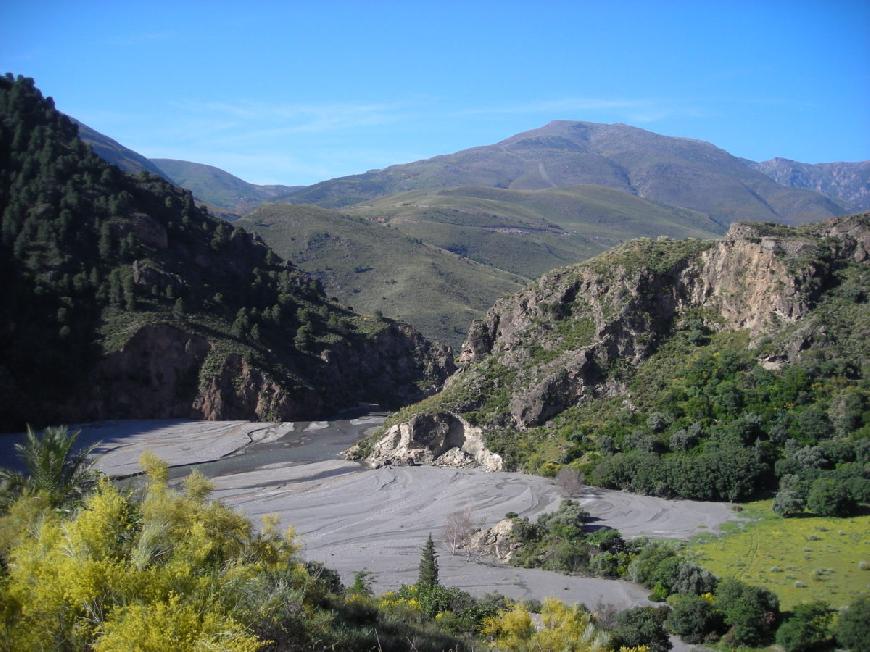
{"x": 218, "y": 187}
{"x": 681, "y": 172}
{"x": 845, "y": 182}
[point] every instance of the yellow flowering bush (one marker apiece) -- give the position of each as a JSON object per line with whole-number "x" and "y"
{"x": 563, "y": 629}
{"x": 173, "y": 571}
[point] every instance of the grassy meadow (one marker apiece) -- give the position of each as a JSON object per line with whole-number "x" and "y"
{"x": 800, "y": 559}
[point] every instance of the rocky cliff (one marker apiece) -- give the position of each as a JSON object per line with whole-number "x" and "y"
{"x": 580, "y": 335}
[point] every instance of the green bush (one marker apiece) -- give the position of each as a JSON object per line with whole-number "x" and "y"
{"x": 853, "y": 627}
{"x": 788, "y": 503}
{"x": 752, "y": 612}
{"x": 830, "y": 497}
{"x": 807, "y": 629}
{"x": 694, "y": 619}
{"x": 641, "y": 626}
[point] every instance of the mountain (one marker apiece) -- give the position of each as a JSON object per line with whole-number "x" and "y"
{"x": 113, "y": 152}
{"x": 676, "y": 171}
{"x": 123, "y": 299}
{"x": 374, "y": 267}
{"x": 712, "y": 370}
{"x": 848, "y": 184}
{"x": 218, "y": 188}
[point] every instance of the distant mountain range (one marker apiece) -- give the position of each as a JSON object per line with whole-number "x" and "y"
{"x": 435, "y": 242}
{"x": 218, "y": 188}
{"x": 561, "y": 154}
{"x": 225, "y": 194}
{"x": 676, "y": 171}
{"x": 846, "y": 183}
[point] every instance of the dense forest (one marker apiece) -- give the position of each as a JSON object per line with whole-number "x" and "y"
{"x": 92, "y": 257}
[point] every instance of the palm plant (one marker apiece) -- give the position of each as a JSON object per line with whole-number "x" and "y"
{"x": 52, "y": 467}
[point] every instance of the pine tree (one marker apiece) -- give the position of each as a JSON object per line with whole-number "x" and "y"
{"x": 428, "y": 564}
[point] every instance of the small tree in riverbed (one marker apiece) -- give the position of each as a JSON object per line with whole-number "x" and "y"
{"x": 428, "y": 564}
{"x": 459, "y": 527}
{"x": 570, "y": 481}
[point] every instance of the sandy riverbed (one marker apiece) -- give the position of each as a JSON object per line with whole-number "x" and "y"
{"x": 354, "y": 518}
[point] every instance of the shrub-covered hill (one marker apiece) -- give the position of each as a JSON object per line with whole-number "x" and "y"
{"x": 703, "y": 369}
{"x": 121, "y": 298}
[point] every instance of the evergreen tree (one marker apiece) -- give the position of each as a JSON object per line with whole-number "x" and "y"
{"x": 428, "y": 564}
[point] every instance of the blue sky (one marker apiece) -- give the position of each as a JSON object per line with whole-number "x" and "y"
{"x": 299, "y": 92}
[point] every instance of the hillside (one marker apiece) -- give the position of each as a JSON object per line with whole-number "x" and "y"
{"x": 677, "y": 171}
{"x": 218, "y": 188}
{"x": 115, "y": 153}
{"x": 374, "y": 267}
{"x": 529, "y": 232}
{"x": 439, "y": 259}
{"x": 123, "y": 299}
{"x": 848, "y": 184}
{"x": 714, "y": 370}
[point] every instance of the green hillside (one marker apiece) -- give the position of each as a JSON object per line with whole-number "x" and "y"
{"x": 711, "y": 370}
{"x": 375, "y": 267}
{"x": 217, "y": 188}
{"x": 439, "y": 259}
{"x": 529, "y": 232}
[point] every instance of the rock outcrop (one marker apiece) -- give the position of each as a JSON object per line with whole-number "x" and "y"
{"x": 556, "y": 343}
{"x": 497, "y": 541}
{"x": 160, "y": 373}
{"x": 440, "y": 439}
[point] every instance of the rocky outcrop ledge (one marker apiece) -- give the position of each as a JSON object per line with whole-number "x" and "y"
{"x": 440, "y": 439}
{"x": 497, "y": 541}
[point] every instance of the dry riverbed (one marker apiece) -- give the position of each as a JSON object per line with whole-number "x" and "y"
{"x": 352, "y": 517}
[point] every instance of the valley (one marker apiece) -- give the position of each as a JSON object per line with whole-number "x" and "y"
{"x": 351, "y": 517}
{"x": 513, "y": 397}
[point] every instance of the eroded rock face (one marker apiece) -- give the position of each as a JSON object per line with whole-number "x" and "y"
{"x": 242, "y": 391}
{"x": 441, "y": 439}
{"x": 563, "y": 333}
{"x": 153, "y": 376}
{"x": 159, "y": 374}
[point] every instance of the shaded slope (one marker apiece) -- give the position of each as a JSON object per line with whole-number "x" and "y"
{"x": 115, "y": 153}
{"x": 123, "y": 299}
{"x": 219, "y": 188}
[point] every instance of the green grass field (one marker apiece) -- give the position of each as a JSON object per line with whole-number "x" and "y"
{"x": 800, "y": 559}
